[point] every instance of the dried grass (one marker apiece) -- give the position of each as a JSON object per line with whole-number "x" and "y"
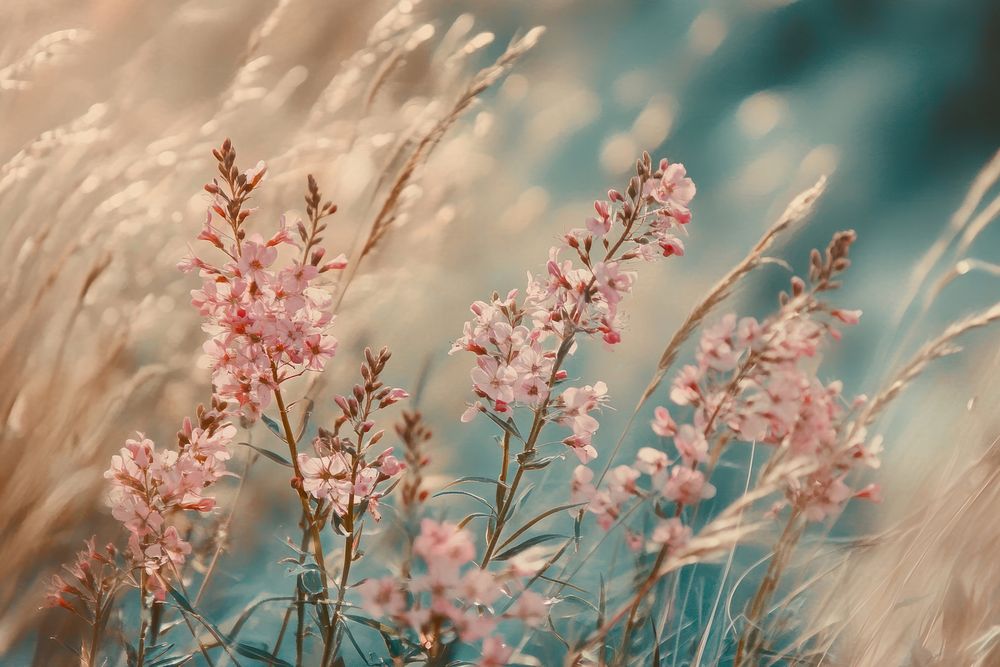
{"x": 96, "y": 210}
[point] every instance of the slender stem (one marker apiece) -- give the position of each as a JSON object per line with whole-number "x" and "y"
{"x": 311, "y": 525}
{"x": 529, "y": 446}
{"x": 504, "y": 465}
{"x": 502, "y": 515}
{"x": 750, "y": 641}
{"x": 345, "y": 571}
{"x": 646, "y": 587}
{"x": 95, "y": 637}
{"x": 187, "y": 621}
{"x": 141, "y": 651}
{"x": 224, "y": 529}
{"x": 299, "y": 599}
{"x": 300, "y": 623}
{"x": 540, "y": 413}
{"x": 332, "y": 640}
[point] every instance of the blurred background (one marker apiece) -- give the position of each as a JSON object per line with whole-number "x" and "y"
{"x": 109, "y": 109}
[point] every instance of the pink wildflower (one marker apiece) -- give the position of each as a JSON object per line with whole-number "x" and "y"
{"x": 687, "y": 486}
{"x": 663, "y": 425}
{"x": 494, "y": 653}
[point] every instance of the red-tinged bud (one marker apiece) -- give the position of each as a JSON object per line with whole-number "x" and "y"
{"x": 341, "y": 402}
{"x": 850, "y": 317}
{"x": 615, "y": 196}
{"x": 296, "y": 483}
{"x": 338, "y": 263}
{"x": 871, "y": 493}
{"x": 798, "y": 286}
{"x": 367, "y": 426}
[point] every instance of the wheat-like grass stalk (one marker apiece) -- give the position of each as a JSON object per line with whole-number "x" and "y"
{"x": 426, "y": 143}
{"x": 936, "y": 348}
{"x": 48, "y": 49}
{"x": 958, "y": 222}
{"x": 722, "y": 534}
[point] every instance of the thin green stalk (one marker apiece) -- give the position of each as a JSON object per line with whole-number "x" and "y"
{"x": 141, "y": 650}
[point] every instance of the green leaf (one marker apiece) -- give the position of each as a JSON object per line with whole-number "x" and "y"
{"x": 158, "y": 651}
{"x": 185, "y": 606}
{"x": 520, "y": 501}
{"x": 562, "y": 583}
{"x": 475, "y": 515}
{"x": 536, "y": 519}
{"x": 172, "y": 661}
{"x": 311, "y": 583}
{"x": 248, "y": 650}
{"x": 473, "y": 478}
{"x": 181, "y": 600}
{"x": 466, "y": 493}
{"x": 656, "y": 643}
{"x": 274, "y": 456}
{"x": 306, "y": 417}
{"x": 602, "y": 605}
{"x": 273, "y": 426}
{"x": 530, "y": 542}
{"x": 507, "y": 425}
{"x": 371, "y": 623}
{"x": 538, "y": 464}
{"x": 395, "y": 643}
{"x": 245, "y": 616}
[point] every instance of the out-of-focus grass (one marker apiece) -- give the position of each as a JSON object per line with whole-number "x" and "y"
{"x": 107, "y": 130}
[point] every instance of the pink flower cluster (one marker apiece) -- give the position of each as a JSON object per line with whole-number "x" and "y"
{"x": 265, "y": 324}
{"x": 520, "y": 347}
{"x": 342, "y": 473}
{"x": 454, "y": 599}
{"x": 679, "y": 483}
{"x": 96, "y": 575}
{"x": 755, "y": 382}
{"x": 332, "y": 477}
{"x": 752, "y": 382}
{"x": 150, "y": 485}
